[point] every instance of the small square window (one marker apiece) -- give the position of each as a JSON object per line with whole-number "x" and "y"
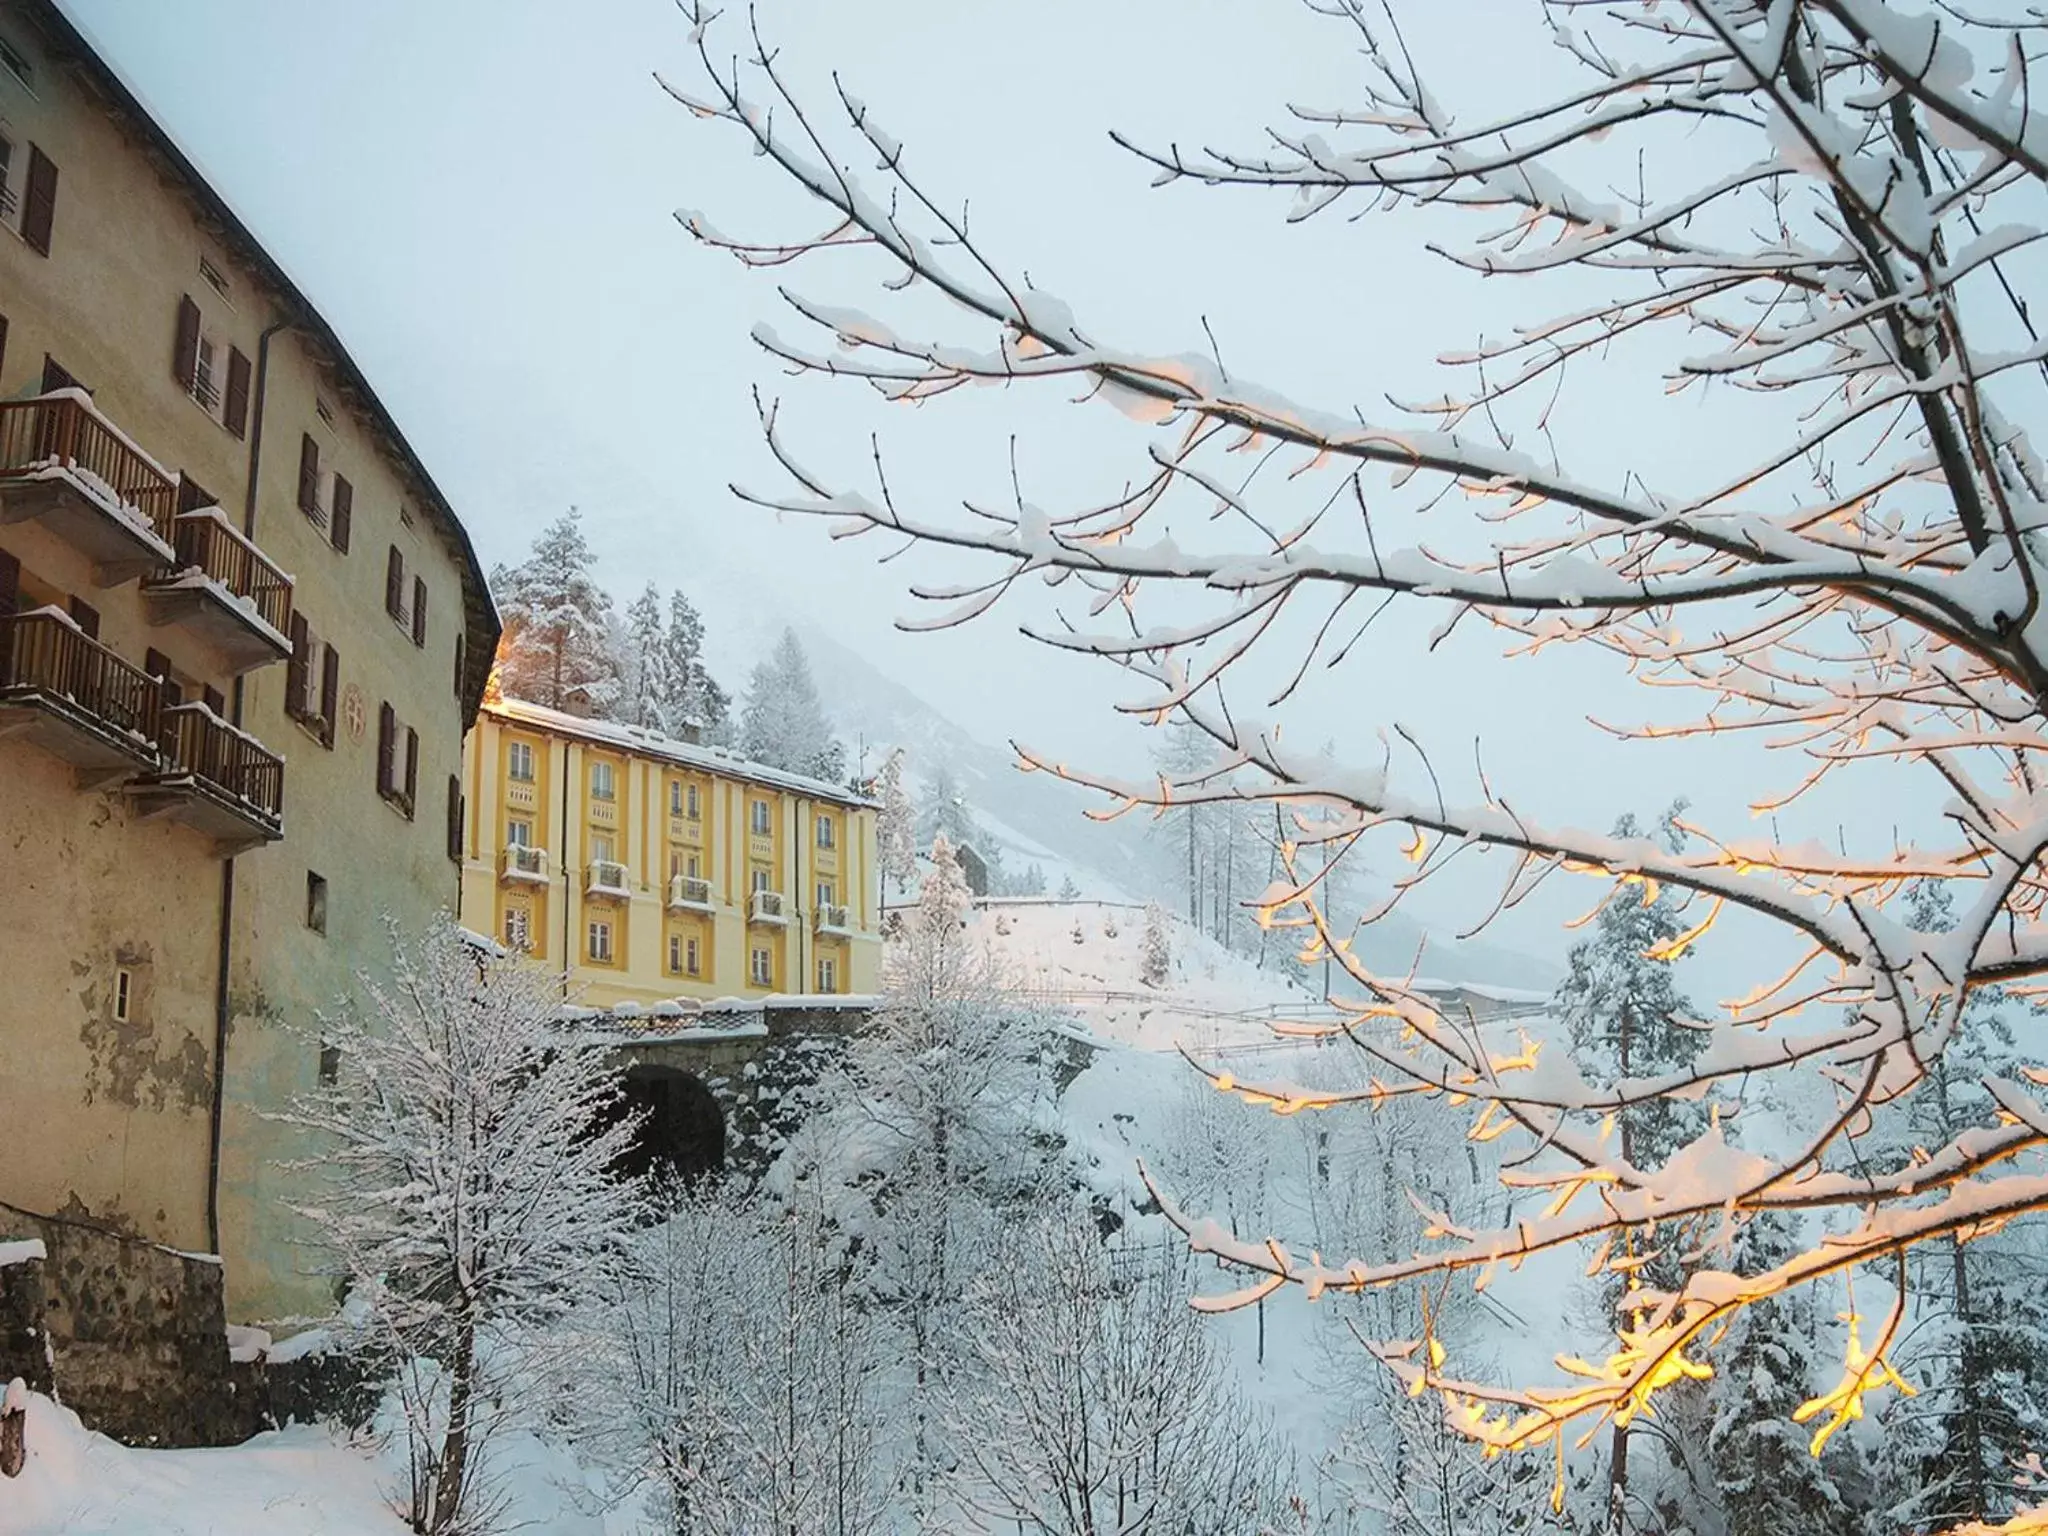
{"x": 519, "y": 762}
{"x": 330, "y": 1062}
{"x": 316, "y": 902}
{"x": 124, "y": 994}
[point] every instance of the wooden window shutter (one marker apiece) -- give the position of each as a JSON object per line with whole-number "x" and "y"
{"x": 298, "y": 671}
{"x": 394, "y": 584}
{"x": 39, "y": 201}
{"x": 85, "y": 616}
{"x": 309, "y": 475}
{"x": 387, "y": 749}
{"x": 158, "y": 666}
{"x": 344, "y": 513}
{"x": 330, "y": 692}
{"x": 455, "y": 817}
{"x": 10, "y": 584}
{"x": 3, "y": 341}
{"x": 185, "y": 348}
{"x": 192, "y": 495}
{"x": 419, "y": 611}
{"x": 458, "y": 666}
{"x": 234, "y": 412}
{"x": 216, "y": 701}
{"x": 412, "y": 769}
{"x": 57, "y": 376}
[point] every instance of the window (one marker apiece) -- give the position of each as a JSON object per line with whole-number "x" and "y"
{"x": 675, "y": 954}
{"x": 9, "y": 198}
{"x": 419, "y": 613}
{"x": 312, "y": 685}
{"x": 519, "y": 762}
{"x": 675, "y": 797}
{"x": 316, "y": 902}
{"x": 215, "y": 278}
{"x": 341, "y": 522}
{"x": 826, "y": 895}
{"x": 693, "y": 956}
{"x": 405, "y": 517}
{"x": 760, "y": 879}
{"x": 602, "y": 786}
{"x": 309, "y": 477}
{"x": 519, "y": 833}
{"x": 330, "y": 1062}
{"x": 825, "y": 832}
{"x": 212, "y": 372}
{"x": 323, "y": 410}
{"x": 519, "y": 929}
{"x": 693, "y": 867}
{"x": 398, "y": 761}
{"x": 757, "y": 815}
{"x": 394, "y": 585}
{"x": 601, "y": 942}
{"x": 15, "y": 62}
{"x": 691, "y": 807}
{"x": 761, "y": 967}
{"x": 455, "y": 818}
{"x": 601, "y": 850}
{"x": 828, "y": 974}
{"x": 124, "y": 994}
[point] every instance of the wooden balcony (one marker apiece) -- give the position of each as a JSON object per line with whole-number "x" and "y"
{"x": 215, "y": 778}
{"x": 71, "y": 696}
{"x": 66, "y": 466}
{"x": 688, "y": 893}
{"x": 767, "y": 907}
{"x": 223, "y": 588}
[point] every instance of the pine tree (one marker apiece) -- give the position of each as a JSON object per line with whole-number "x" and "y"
{"x": 556, "y": 649}
{"x": 784, "y": 724}
{"x": 1158, "y": 958}
{"x": 693, "y": 698}
{"x": 1068, "y": 890}
{"x": 1626, "y": 1018}
{"x": 943, "y": 812}
{"x": 895, "y": 825}
{"x": 644, "y": 688}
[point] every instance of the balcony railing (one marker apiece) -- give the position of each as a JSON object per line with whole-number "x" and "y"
{"x": 689, "y": 891}
{"x": 767, "y": 907}
{"x": 607, "y": 878}
{"x": 47, "y": 659}
{"x": 523, "y": 863}
{"x": 207, "y": 541}
{"x": 199, "y": 744}
{"x": 832, "y": 918}
{"x": 61, "y": 431}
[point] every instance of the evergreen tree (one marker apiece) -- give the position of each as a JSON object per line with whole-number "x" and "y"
{"x": 1068, "y": 890}
{"x": 692, "y": 697}
{"x": 644, "y": 688}
{"x": 784, "y": 725}
{"x": 1626, "y": 1018}
{"x": 895, "y": 825}
{"x": 557, "y": 647}
{"x": 1158, "y": 958}
{"x": 944, "y": 812}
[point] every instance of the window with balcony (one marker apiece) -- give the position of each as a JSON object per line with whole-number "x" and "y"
{"x": 827, "y": 895}
{"x": 519, "y": 762}
{"x": 760, "y": 880}
{"x": 827, "y": 833}
{"x": 603, "y": 785}
{"x": 759, "y": 818}
{"x": 601, "y": 943}
{"x": 601, "y": 850}
{"x": 519, "y": 832}
{"x": 761, "y": 966}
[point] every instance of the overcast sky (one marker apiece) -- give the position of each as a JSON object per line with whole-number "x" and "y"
{"x": 479, "y": 195}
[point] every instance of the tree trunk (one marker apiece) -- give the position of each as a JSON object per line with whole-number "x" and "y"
{"x": 448, "y": 1483}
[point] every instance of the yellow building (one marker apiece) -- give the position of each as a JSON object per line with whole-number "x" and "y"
{"x": 644, "y": 868}
{"x": 241, "y": 636}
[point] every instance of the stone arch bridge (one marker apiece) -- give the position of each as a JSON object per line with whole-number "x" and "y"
{"x": 715, "y": 1080}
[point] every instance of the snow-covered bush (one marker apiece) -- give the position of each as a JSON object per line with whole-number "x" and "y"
{"x": 463, "y": 1165}
{"x": 1157, "y": 964}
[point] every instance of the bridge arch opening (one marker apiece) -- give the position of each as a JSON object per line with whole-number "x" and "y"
{"x": 682, "y": 1127}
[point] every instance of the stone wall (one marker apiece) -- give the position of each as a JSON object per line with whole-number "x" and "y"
{"x": 136, "y": 1335}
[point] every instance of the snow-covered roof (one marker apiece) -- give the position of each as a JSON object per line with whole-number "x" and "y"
{"x": 1493, "y": 994}
{"x": 646, "y": 743}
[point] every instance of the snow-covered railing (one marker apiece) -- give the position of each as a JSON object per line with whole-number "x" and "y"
{"x": 607, "y": 878}
{"x": 64, "y": 430}
{"x": 523, "y": 863}
{"x": 767, "y": 907}
{"x": 689, "y": 891}
{"x": 198, "y": 742}
{"x": 44, "y": 652}
{"x": 207, "y": 541}
{"x": 833, "y": 918}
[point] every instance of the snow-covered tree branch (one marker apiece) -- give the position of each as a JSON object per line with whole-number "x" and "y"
{"x": 1838, "y": 208}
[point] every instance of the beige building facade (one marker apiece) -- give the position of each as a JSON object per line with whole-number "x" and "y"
{"x": 241, "y": 636}
{"x": 643, "y": 869}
